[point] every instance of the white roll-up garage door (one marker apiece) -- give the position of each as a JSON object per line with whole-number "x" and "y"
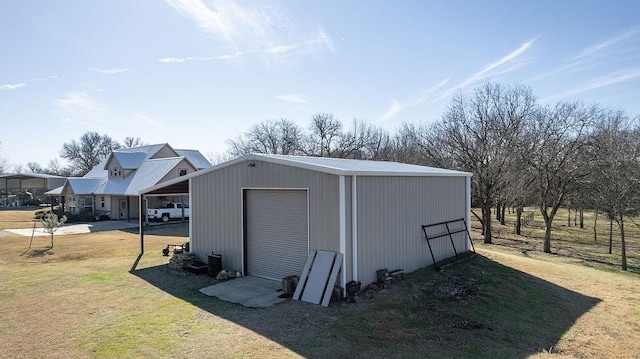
{"x": 277, "y": 232}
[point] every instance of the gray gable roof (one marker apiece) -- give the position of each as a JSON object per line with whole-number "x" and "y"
{"x": 195, "y": 157}
{"x": 146, "y": 172}
{"x": 343, "y": 166}
{"x": 130, "y": 160}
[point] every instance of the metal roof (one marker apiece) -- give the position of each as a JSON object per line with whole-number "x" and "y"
{"x": 28, "y": 176}
{"x": 149, "y": 174}
{"x": 130, "y": 160}
{"x": 336, "y": 166}
{"x": 81, "y": 185}
{"x": 98, "y": 171}
{"x": 149, "y": 150}
{"x": 196, "y": 158}
{"x": 342, "y": 166}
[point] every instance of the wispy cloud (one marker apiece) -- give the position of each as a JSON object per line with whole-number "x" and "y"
{"x": 110, "y": 71}
{"x": 46, "y": 78}
{"x": 588, "y": 56}
{"x": 297, "y": 98}
{"x": 599, "y": 82}
{"x": 593, "y": 65}
{"x": 78, "y": 107}
{"x": 24, "y": 84}
{"x": 599, "y": 47}
{"x": 249, "y": 28}
{"x": 393, "y": 110}
{"x": 396, "y": 106}
{"x": 12, "y": 86}
{"x": 508, "y": 63}
{"x": 151, "y": 121}
{"x": 511, "y": 62}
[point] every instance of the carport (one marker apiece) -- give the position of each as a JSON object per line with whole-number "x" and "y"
{"x": 176, "y": 187}
{"x": 29, "y": 181}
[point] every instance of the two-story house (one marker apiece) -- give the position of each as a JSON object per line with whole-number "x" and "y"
{"x": 111, "y": 188}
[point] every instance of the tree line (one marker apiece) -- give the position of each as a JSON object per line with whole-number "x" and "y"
{"x": 82, "y": 155}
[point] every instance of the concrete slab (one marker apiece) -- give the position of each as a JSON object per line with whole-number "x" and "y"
{"x": 252, "y": 292}
{"x": 77, "y": 228}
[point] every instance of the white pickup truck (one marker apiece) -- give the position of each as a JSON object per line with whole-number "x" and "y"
{"x": 171, "y": 210}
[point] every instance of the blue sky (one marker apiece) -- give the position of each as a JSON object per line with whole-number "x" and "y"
{"x": 196, "y": 73}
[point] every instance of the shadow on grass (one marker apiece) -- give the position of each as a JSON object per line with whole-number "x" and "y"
{"x": 173, "y": 228}
{"x": 35, "y": 253}
{"x": 473, "y": 309}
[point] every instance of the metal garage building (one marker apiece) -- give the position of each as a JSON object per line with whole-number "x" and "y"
{"x": 264, "y": 213}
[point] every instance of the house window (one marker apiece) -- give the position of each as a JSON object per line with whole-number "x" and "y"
{"x": 183, "y": 172}
{"x": 88, "y": 202}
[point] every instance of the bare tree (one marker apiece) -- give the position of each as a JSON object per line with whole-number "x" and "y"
{"x": 54, "y": 167}
{"x": 271, "y": 136}
{"x": 617, "y": 170}
{"x": 18, "y": 168}
{"x": 3, "y": 161}
{"x": 88, "y": 152}
{"x": 217, "y": 158}
{"x": 325, "y": 138}
{"x": 479, "y": 135}
{"x": 130, "y": 142}
{"x": 34, "y": 167}
{"x": 554, "y": 141}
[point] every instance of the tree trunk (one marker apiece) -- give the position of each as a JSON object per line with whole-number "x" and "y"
{"x": 481, "y": 220}
{"x": 622, "y": 242}
{"x": 498, "y": 211}
{"x": 519, "y": 220}
{"x": 595, "y": 225}
{"x": 610, "y": 231}
{"x": 502, "y": 222}
{"x": 575, "y": 217}
{"x": 568, "y": 217}
{"x": 486, "y": 216}
{"x": 581, "y": 217}
{"x": 547, "y": 234}
{"x": 51, "y": 240}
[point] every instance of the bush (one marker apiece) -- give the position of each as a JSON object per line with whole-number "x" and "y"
{"x": 84, "y": 215}
{"x": 40, "y": 214}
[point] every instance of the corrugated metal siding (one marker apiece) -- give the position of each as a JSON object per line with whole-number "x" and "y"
{"x": 391, "y": 211}
{"x": 34, "y": 183}
{"x": 217, "y": 207}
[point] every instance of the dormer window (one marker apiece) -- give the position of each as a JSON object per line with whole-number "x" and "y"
{"x": 183, "y": 172}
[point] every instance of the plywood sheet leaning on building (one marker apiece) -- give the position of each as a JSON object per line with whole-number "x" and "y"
{"x": 318, "y": 277}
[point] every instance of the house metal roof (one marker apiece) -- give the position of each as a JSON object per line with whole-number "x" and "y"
{"x": 149, "y": 174}
{"x": 195, "y": 157}
{"x": 336, "y": 166}
{"x": 130, "y": 160}
{"x": 147, "y": 171}
{"x": 98, "y": 171}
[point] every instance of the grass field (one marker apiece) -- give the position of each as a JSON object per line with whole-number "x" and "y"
{"x": 572, "y": 241}
{"x": 92, "y": 297}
